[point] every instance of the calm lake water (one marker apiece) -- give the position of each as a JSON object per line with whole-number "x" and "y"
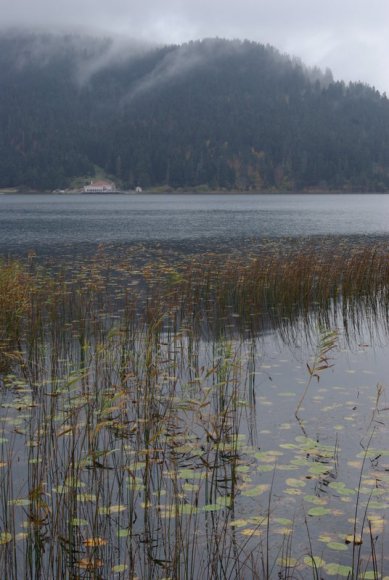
{"x": 51, "y": 223}
{"x": 288, "y": 491}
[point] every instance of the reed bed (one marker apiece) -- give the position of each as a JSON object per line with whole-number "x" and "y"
{"x": 128, "y": 421}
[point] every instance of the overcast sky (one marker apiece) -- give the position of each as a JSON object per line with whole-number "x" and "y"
{"x": 349, "y": 36}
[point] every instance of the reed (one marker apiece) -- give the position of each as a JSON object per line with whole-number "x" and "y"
{"x": 129, "y": 444}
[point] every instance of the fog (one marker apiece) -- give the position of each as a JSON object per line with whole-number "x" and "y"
{"x": 348, "y": 36}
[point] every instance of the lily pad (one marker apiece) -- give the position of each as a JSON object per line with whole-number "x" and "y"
{"x": 119, "y": 568}
{"x": 5, "y": 538}
{"x": 293, "y": 482}
{"x": 319, "y": 511}
{"x": 212, "y": 507}
{"x": 287, "y": 562}
{"x": 338, "y": 570}
{"x": 79, "y": 522}
{"x": 314, "y": 561}
{"x": 257, "y": 490}
{"x": 337, "y": 546}
{"x": 20, "y": 501}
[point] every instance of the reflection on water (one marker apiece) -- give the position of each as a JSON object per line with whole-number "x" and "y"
{"x": 148, "y": 421}
{"x": 153, "y": 352}
{"x": 126, "y": 450}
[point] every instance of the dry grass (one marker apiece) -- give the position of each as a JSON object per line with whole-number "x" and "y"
{"x": 16, "y": 290}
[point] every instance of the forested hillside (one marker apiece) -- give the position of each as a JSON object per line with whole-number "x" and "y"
{"x": 216, "y": 113}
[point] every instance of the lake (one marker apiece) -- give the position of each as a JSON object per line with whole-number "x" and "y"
{"x": 52, "y": 224}
{"x": 149, "y": 387}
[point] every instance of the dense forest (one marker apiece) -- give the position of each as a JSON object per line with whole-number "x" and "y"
{"x": 216, "y": 114}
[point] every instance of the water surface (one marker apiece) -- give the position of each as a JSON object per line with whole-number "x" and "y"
{"x": 55, "y": 223}
{"x": 223, "y": 408}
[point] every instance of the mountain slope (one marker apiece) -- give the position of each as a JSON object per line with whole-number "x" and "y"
{"x": 216, "y": 113}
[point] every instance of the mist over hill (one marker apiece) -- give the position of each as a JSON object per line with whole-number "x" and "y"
{"x": 219, "y": 114}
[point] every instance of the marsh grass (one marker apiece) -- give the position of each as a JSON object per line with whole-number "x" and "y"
{"x": 129, "y": 443}
{"x": 16, "y": 288}
{"x": 322, "y": 361}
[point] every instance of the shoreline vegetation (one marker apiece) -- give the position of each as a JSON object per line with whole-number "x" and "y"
{"x": 193, "y": 190}
{"x": 237, "y": 115}
{"x": 129, "y": 395}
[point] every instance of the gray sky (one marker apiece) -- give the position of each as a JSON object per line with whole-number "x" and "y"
{"x": 349, "y": 36}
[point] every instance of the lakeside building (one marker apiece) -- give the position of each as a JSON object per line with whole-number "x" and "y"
{"x": 99, "y": 186}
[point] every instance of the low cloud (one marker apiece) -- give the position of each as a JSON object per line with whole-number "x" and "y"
{"x": 349, "y": 36}
{"x": 112, "y": 51}
{"x": 180, "y": 61}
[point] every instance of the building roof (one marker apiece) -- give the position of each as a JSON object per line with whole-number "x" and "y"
{"x": 101, "y": 183}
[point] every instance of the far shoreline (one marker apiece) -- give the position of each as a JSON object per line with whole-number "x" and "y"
{"x": 179, "y": 192}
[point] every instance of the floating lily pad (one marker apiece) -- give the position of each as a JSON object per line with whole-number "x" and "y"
{"x": 319, "y": 511}
{"x": 119, "y": 568}
{"x": 257, "y": 490}
{"x": 338, "y": 570}
{"x": 337, "y": 546}
{"x": 265, "y": 468}
{"x": 293, "y": 482}
{"x": 283, "y": 521}
{"x": 325, "y": 538}
{"x": 189, "y": 474}
{"x": 341, "y": 488}
{"x": 112, "y": 509}
{"x": 287, "y": 562}
{"x": 314, "y": 561}
{"x": 186, "y": 509}
{"x": 20, "y": 501}
{"x": 5, "y": 538}
{"x": 79, "y": 522}
{"x": 252, "y": 532}
{"x": 319, "y": 469}
{"x": 86, "y": 497}
{"x": 212, "y": 507}
{"x": 293, "y": 491}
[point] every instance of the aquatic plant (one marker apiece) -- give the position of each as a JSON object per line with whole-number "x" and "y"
{"x": 146, "y": 431}
{"x": 321, "y": 362}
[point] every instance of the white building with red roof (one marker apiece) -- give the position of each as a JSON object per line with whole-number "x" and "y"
{"x": 99, "y": 186}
